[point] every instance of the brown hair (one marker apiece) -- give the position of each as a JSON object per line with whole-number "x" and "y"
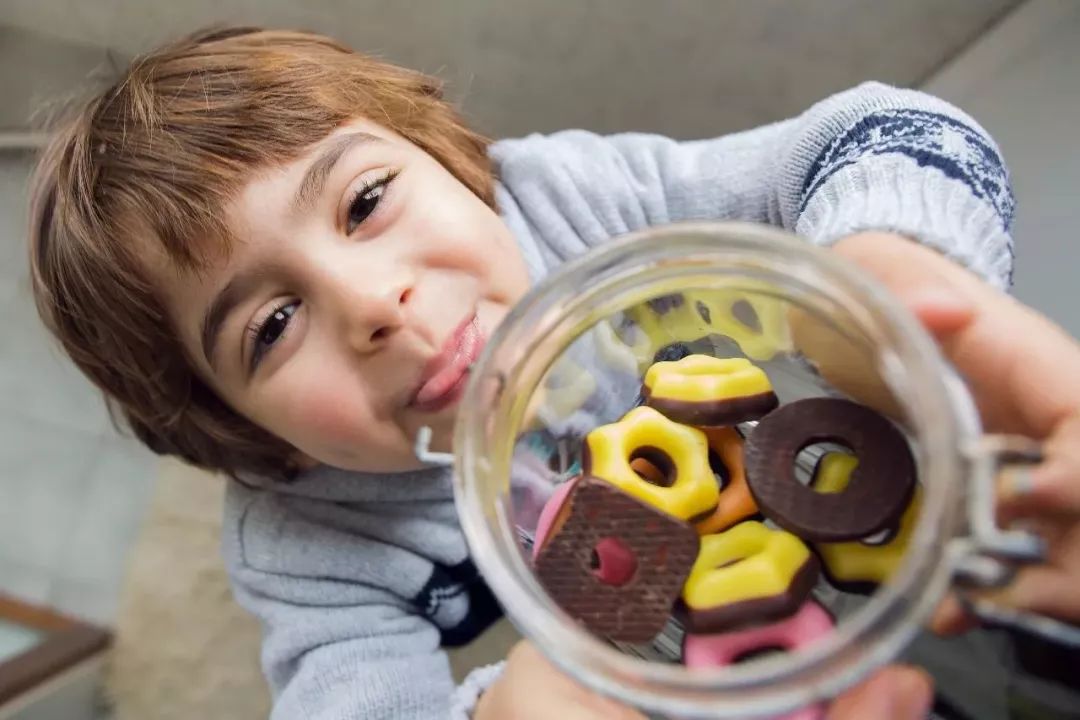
{"x": 154, "y": 159}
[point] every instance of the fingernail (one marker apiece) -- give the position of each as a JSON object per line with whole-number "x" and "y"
{"x": 938, "y": 296}
{"x": 1016, "y": 482}
{"x": 914, "y": 695}
{"x": 941, "y": 309}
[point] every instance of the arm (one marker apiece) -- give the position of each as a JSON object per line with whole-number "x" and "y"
{"x": 339, "y": 643}
{"x": 871, "y": 158}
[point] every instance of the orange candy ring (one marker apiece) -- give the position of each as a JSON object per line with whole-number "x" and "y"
{"x": 735, "y": 501}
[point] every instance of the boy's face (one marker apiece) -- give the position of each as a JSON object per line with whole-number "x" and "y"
{"x": 365, "y": 280}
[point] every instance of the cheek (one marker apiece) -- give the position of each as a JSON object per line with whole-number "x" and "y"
{"x": 463, "y": 233}
{"x": 321, "y": 413}
{"x": 318, "y": 415}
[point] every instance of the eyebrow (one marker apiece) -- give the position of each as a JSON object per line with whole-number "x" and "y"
{"x": 223, "y": 303}
{"x": 314, "y": 180}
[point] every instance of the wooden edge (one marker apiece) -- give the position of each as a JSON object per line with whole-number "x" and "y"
{"x": 66, "y": 643}
{"x": 32, "y": 616}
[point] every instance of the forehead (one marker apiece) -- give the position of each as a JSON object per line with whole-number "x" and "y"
{"x": 302, "y": 178}
{"x": 252, "y": 197}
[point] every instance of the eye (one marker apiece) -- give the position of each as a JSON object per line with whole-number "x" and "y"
{"x": 269, "y": 330}
{"x": 366, "y": 200}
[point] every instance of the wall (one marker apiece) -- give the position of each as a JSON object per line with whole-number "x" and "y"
{"x": 1022, "y": 82}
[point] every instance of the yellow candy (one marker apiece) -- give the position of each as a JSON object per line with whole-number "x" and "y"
{"x": 615, "y": 353}
{"x": 858, "y": 562}
{"x": 748, "y": 314}
{"x": 700, "y": 378}
{"x": 729, "y": 309}
{"x": 675, "y": 457}
{"x": 564, "y": 390}
{"x": 747, "y": 562}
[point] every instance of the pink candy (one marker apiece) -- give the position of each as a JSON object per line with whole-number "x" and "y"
{"x": 549, "y": 513}
{"x": 801, "y": 629}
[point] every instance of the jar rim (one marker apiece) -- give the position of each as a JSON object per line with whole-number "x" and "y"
{"x": 870, "y": 636}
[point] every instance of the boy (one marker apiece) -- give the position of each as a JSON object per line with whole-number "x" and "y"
{"x": 278, "y": 257}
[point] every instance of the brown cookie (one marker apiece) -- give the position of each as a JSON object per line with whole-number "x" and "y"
{"x": 879, "y": 488}
{"x": 615, "y": 564}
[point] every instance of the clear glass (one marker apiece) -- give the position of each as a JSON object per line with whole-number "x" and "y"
{"x": 818, "y": 327}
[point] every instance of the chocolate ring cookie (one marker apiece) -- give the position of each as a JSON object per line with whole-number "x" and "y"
{"x": 879, "y": 488}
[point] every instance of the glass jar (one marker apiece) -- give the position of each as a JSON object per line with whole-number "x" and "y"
{"x": 818, "y": 327}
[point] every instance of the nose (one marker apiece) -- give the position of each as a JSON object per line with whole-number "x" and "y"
{"x": 371, "y": 307}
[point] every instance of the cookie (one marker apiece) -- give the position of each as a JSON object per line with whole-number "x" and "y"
{"x": 747, "y": 575}
{"x": 706, "y": 391}
{"x": 658, "y": 461}
{"x": 879, "y": 488}
{"x": 859, "y": 566}
{"x": 614, "y": 563}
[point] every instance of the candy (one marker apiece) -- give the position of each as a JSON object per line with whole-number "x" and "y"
{"x": 810, "y": 623}
{"x": 735, "y": 502}
{"x": 565, "y": 390}
{"x": 748, "y": 315}
{"x": 655, "y": 460}
{"x": 880, "y": 486}
{"x": 861, "y": 565}
{"x": 660, "y": 521}
{"x": 805, "y": 627}
{"x": 747, "y": 575}
{"x": 706, "y": 391}
{"x": 614, "y": 563}
{"x": 550, "y": 515}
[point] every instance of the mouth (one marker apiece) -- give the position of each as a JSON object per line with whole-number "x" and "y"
{"x": 446, "y": 374}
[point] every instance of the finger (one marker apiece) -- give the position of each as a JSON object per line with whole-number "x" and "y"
{"x": 951, "y": 617}
{"x": 942, "y": 312}
{"x": 1023, "y": 370}
{"x": 1050, "y": 489}
{"x": 599, "y": 710}
{"x": 894, "y": 693}
{"x": 576, "y": 701}
{"x": 1040, "y": 589}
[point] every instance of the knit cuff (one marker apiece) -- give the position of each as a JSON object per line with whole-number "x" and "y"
{"x": 465, "y": 697}
{"x": 895, "y": 193}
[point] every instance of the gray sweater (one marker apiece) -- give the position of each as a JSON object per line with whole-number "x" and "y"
{"x": 361, "y": 580}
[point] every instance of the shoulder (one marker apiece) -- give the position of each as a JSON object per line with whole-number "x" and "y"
{"x": 575, "y": 155}
{"x": 253, "y": 522}
{"x": 283, "y": 542}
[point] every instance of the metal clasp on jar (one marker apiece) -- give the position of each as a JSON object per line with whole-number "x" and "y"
{"x": 990, "y": 555}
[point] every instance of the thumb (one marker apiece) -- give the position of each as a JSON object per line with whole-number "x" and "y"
{"x": 894, "y": 693}
{"x": 937, "y": 291}
{"x": 1023, "y": 371}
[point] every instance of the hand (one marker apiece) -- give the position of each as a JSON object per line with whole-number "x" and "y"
{"x": 531, "y": 688}
{"x": 1024, "y": 374}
